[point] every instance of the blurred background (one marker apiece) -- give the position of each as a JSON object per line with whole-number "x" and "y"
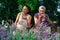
{"x": 12, "y": 7}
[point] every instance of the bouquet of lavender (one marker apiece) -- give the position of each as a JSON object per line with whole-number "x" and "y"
{"x": 31, "y": 35}
{"x": 4, "y": 33}
{"x": 9, "y": 29}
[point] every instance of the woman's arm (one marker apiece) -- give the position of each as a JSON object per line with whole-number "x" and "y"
{"x": 29, "y": 21}
{"x": 50, "y": 22}
{"x": 35, "y": 21}
{"x": 17, "y": 18}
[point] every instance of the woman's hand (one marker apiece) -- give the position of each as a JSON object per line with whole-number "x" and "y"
{"x": 41, "y": 16}
{"x": 29, "y": 22}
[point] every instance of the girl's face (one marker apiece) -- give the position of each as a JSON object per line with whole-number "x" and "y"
{"x": 25, "y": 9}
{"x": 53, "y": 30}
{"x": 41, "y": 11}
{"x": 9, "y": 20}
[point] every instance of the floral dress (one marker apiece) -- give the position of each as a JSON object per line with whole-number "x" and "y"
{"x": 43, "y": 27}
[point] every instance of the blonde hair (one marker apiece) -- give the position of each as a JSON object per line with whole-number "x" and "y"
{"x": 42, "y": 7}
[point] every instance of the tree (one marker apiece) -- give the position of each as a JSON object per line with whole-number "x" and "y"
{"x": 9, "y": 8}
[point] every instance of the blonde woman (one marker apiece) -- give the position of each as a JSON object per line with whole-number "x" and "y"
{"x": 41, "y": 20}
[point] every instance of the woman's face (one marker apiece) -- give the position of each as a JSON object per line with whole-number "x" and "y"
{"x": 41, "y": 11}
{"x": 25, "y": 9}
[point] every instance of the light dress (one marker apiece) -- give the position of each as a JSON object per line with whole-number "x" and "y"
{"x": 22, "y": 22}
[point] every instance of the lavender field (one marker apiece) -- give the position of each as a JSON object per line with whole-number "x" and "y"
{"x": 13, "y": 34}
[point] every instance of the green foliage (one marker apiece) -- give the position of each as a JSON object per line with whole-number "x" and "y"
{"x": 12, "y": 7}
{"x": 32, "y": 3}
{"x": 8, "y": 8}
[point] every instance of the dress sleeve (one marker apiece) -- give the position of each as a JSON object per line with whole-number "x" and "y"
{"x": 47, "y": 17}
{"x": 36, "y": 15}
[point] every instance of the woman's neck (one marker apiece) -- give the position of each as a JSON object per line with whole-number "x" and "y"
{"x": 25, "y": 14}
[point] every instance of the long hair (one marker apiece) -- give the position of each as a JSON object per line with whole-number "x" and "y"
{"x": 28, "y": 8}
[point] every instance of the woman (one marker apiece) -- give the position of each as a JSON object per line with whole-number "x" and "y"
{"x": 41, "y": 20}
{"x": 23, "y": 19}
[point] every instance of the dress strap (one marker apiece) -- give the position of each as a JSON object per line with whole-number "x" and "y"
{"x": 20, "y": 18}
{"x": 28, "y": 16}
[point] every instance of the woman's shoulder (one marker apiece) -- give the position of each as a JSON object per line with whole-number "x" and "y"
{"x": 46, "y": 15}
{"x": 29, "y": 15}
{"x": 20, "y": 13}
{"x": 36, "y": 14}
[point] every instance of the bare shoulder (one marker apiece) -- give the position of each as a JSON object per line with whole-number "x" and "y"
{"x": 30, "y": 16}
{"x": 19, "y": 13}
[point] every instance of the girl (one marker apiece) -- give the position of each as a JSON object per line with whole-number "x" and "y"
{"x": 23, "y": 19}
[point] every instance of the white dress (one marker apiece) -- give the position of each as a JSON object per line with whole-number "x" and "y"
{"x": 22, "y": 23}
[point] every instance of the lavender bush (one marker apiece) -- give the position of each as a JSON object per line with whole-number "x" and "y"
{"x": 9, "y": 32}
